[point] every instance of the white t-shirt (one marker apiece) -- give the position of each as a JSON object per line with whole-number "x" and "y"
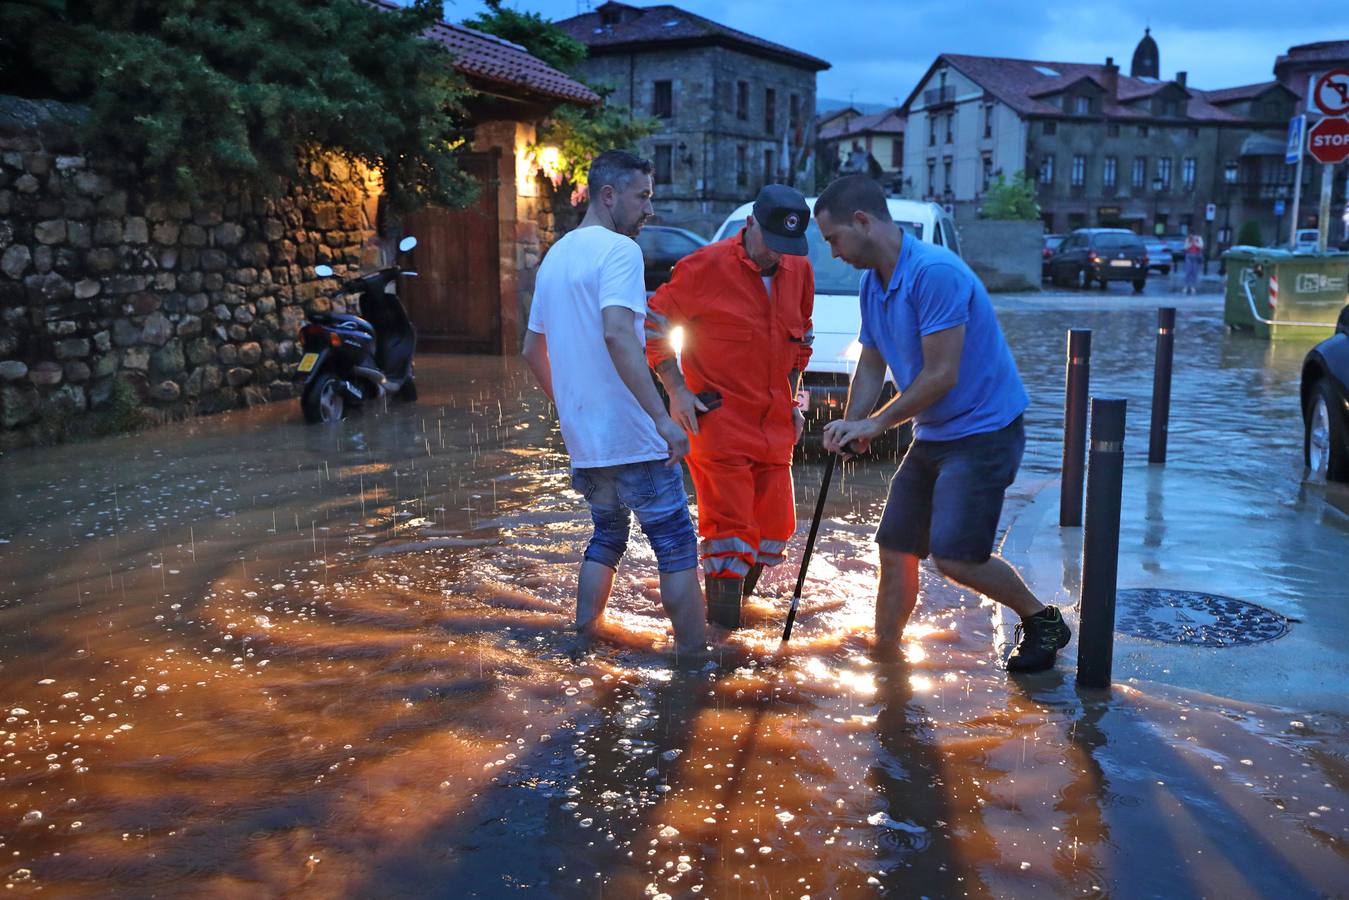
{"x": 602, "y": 422}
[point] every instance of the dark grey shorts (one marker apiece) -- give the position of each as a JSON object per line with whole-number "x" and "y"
{"x": 946, "y": 497}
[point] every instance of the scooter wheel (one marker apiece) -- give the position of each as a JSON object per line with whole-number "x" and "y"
{"x": 408, "y": 391}
{"x": 323, "y": 400}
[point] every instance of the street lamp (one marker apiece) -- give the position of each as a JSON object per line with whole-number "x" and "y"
{"x": 1156, "y": 200}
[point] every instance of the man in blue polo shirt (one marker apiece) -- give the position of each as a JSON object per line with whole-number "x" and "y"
{"x": 928, "y": 318}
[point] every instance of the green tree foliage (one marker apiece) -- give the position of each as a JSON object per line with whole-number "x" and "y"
{"x": 1013, "y": 199}
{"x": 1249, "y": 234}
{"x": 579, "y": 132}
{"x": 204, "y": 93}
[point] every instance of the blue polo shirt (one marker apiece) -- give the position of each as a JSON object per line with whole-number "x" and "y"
{"x": 932, "y": 290}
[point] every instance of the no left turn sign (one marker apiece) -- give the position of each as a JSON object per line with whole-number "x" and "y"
{"x": 1330, "y": 93}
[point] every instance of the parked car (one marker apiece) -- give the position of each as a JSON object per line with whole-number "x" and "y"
{"x": 1175, "y": 243}
{"x": 1325, "y": 405}
{"x": 838, "y": 317}
{"x": 1159, "y": 255}
{"x": 1048, "y": 246}
{"x": 662, "y": 247}
{"x": 1305, "y": 240}
{"x": 1100, "y": 255}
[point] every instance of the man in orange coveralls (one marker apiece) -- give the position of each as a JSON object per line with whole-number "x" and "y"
{"x": 745, "y": 305}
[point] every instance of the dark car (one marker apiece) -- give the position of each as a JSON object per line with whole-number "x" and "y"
{"x": 1101, "y": 255}
{"x": 1047, "y": 248}
{"x": 1159, "y": 255}
{"x": 662, "y": 247}
{"x": 1325, "y": 405}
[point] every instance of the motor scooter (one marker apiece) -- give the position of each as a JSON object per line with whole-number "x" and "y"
{"x": 349, "y": 359}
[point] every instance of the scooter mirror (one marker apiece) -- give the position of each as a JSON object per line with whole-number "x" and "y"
{"x": 323, "y": 271}
{"x": 407, "y": 243}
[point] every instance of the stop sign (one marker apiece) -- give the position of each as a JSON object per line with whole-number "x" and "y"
{"x": 1328, "y": 140}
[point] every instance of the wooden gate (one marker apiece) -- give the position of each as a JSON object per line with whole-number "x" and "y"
{"x": 455, "y": 300}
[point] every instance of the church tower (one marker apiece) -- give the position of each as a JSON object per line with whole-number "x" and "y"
{"x": 1147, "y": 62}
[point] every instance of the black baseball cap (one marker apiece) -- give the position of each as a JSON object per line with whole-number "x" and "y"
{"x": 783, "y": 215}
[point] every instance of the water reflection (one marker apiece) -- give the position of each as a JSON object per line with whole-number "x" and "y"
{"x": 337, "y": 662}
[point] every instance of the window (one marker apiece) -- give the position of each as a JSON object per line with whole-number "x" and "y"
{"x": 988, "y": 120}
{"x": 1049, "y": 128}
{"x": 1139, "y": 173}
{"x": 946, "y": 176}
{"x": 794, "y": 112}
{"x": 1171, "y": 108}
{"x": 742, "y": 100}
{"x": 950, "y": 127}
{"x": 1081, "y": 105}
{"x": 1047, "y": 169}
{"x": 896, "y": 154}
{"x": 770, "y": 111}
{"x": 1079, "y": 173}
{"x": 931, "y": 177}
{"x": 1108, "y": 171}
{"x": 662, "y": 100}
{"x": 741, "y": 169}
{"x": 1187, "y": 172}
{"x": 664, "y": 173}
{"x": 1142, "y": 131}
{"x": 770, "y": 172}
{"x": 931, "y": 130}
{"x": 1164, "y": 171}
{"x": 988, "y": 170}
{"x": 1112, "y": 130}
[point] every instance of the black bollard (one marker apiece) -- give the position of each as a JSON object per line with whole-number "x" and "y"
{"x": 1075, "y": 388}
{"x": 1161, "y": 384}
{"x": 1100, "y": 544}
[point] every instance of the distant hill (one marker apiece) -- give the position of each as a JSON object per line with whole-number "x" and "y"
{"x": 824, "y": 105}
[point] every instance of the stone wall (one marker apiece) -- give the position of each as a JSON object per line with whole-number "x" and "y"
{"x": 192, "y": 307}
{"x": 1005, "y": 255}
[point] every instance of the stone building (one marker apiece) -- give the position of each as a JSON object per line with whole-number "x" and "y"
{"x": 110, "y": 297}
{"x": 1104, "y": 148}
{"x": 735, "y": 111}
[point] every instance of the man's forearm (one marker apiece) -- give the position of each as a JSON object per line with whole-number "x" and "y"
{"x": 670, "y": 376}
{"x": 630, "y": 361}
{"x": 926, "y": 390}
{"x": 536, "y": 356}
{"x": 863, "y": 393}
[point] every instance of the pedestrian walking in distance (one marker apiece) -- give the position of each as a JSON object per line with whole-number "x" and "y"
{"x": 1193, "y": 258}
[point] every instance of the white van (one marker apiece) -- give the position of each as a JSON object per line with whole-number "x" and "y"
{"x": 837, "y": 317}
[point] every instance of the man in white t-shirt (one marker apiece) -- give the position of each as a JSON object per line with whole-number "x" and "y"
{"x": 586, "y": 346}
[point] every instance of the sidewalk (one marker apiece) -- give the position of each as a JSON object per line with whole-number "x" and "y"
{"x": 1181, "y": 532}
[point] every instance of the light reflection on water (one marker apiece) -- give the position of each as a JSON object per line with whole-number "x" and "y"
{"x": 246, "y": 656}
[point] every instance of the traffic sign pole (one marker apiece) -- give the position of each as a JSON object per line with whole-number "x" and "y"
{"x": 1297, "y": 184}
{"x": 1323, "y": 220}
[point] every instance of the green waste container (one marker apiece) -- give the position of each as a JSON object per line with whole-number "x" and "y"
{"x": 1279, "y": 294}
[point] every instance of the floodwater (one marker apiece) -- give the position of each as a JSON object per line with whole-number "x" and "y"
{"x": 247, "y": 657}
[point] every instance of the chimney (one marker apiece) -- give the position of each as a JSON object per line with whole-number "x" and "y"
{"x": 1180, "y": 78}
{"x": 1110, "y": 79}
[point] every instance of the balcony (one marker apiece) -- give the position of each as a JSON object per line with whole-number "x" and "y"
{"x": 942, "y": 96}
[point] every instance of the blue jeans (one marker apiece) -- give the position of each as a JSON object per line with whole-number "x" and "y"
{"x": 1192, "y": 263}
{"x": 652, "y": 490}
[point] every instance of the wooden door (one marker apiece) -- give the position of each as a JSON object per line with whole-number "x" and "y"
{"x": 455, "y": 300}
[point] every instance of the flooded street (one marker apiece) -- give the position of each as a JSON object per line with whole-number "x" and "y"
{"x": 246, "y": 657}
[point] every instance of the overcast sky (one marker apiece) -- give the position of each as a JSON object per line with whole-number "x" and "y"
{"x": 880, "y": 48}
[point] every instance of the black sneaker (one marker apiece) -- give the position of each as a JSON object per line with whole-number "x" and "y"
{"x": 1038, "y": 641}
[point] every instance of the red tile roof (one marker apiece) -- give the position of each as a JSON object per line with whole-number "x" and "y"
{"x": 1321, "y": 52}
{"x": 890, "y": 121}
{"x": 1236, "y": 94}
{"x": 1026, "y": 85}
{"x": 637, "y": 25}
{"x": 489, "y": 58}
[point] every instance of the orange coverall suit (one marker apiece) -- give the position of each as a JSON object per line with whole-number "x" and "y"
{"x": 743, "y": 343}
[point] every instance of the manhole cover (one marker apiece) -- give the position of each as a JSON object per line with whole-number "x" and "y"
{"x": 1191, "y": 617}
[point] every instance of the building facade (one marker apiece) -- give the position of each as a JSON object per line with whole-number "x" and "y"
{"x": 735, "y": 111}
{"x": 872, "y": 144}
{"x": 1104, "y": 148}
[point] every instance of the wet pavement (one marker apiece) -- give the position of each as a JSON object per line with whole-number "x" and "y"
{"x": 243, "y": 656}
